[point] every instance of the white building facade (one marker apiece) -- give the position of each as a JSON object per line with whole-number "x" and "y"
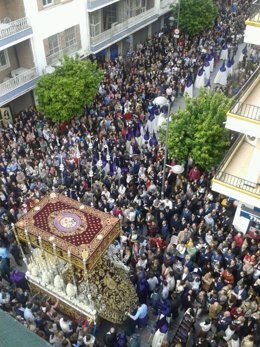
{"x": 238, "y": 176}
{"x": 35, "y": 34}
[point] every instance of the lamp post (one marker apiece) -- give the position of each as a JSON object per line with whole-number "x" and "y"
{"x": 178, "y": 16}
{"x": 78, "y": 157}
{"x": 172, "y": 19}
{"x": 91, "y": 174}
{"x": 61, "y": 168}
{"x": 99, "y": 164}
{"x": 162, "y": 101}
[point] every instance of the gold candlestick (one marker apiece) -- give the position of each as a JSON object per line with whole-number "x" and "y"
{"x": 28, "y": 239}
{"x": 19, "y": 243}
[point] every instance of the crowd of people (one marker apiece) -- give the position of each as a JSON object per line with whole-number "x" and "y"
{"x": 181, "y": 248}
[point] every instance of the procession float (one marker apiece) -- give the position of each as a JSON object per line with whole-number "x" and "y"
{"x": 70, "y": 257}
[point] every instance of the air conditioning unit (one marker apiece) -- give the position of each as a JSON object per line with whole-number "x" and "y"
{"x": 251, "y": 139}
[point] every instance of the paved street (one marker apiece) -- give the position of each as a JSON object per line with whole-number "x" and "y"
{"x": 179, "y": 102}
{"x": 146, "y": 334}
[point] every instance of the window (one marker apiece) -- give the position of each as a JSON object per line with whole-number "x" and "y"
{"x": 4, "y": 60}
{"x": 95, "y": 23}
{"x": 70, "y": 37}
{"x": 136, "y": 7}
{"x": 47, "y": 2}
{"x": 109, "y": 16}
{"x": 54, "y": 44}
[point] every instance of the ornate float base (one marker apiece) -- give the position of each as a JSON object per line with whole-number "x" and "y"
{"x": 66, "y": 306}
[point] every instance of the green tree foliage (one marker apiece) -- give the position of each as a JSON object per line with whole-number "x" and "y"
{"x": 73, "y": 84}
{"x": 198, "y": 131}
{"x": 195, "y": 15}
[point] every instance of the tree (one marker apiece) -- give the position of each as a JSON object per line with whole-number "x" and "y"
{"x": 73, "y": 84}
{"x": 198, "y": 131}
{"x": 195, "y": 15}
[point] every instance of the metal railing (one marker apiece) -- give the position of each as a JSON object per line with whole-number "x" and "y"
{"x": 254, "y": 15}
{"x": 238, "y": 182}
{"x": 120, "y": 27}
{"x": 17, "y": 81}
{"x": 8, "y": 29}
{"x": 53, "y": 58}
{"x": 232, "y": 180}
{"x": 246, "y": 110}
{"x": 166, "y": 3}
{"x": 246, "y": 85}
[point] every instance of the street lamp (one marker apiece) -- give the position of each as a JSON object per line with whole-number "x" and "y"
{"x": 91, "y": 174}
{"x": 99, "y": 164}
{"x": 162, "y": 101}
{"x": 61, "y": 168}
{"x": 78, "y": 157}
{"x": 172, "y": 19}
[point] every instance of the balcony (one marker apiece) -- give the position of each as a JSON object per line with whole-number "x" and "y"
{"x": 93, "y": 5}
{"x": 238, "y": 176}
{"x": 55, "y": 57}
{"x": 14, "y": 32}
{"x": 122, "y": 30}
{"x": 252, "y": 33}
{"x": 165, "y": 5}
{"x": 244, "y": 116}
{"x": 23, "y": 80}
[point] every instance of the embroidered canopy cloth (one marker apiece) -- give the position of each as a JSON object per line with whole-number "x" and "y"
{"x": 68, "y": 229}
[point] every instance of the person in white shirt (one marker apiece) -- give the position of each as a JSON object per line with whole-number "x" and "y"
{"x": 168, "y": 203}
{"x": 142, "y": 262}
{"x": 170, "y": 280}
{"x": 152, "y": 282}
{"x": 205, "y": 327}
{"x": 165, "y": 291}
{"x": 121, "y": 189}
{"x": 131, "y": 214}
{"x": 229, "y": 332}
{"x": 234, "y": 342}
{"x": 65, "y": 325}
{"x": 89, "y": 340}
{"x": 4, "y": 297}
{"x": 28, "y": 315}
{"x": 106, "y": 193}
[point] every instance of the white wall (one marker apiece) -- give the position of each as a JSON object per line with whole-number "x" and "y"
{"x": 53, "y": 20}
{"x": 240, "y": 223}
{"x": 227, "y": 190}
{"x": 252, "y": 35}
{"x": 243, "y": 126}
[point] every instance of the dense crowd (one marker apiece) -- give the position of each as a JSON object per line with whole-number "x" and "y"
{"x": 181, "y": 248}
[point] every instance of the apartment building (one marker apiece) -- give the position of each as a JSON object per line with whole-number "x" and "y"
{"x": 36, "y": 34}
{"x": 238, "y": 176}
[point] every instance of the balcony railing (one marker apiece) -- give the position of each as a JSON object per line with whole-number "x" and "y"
{"x": 123, "y": 26}
{"x": 238, "y": 182}
{"x": 230, "y": 179}
{"x": 53, "y": 58}
{"x": 165, "y": 3}
{"x": 247, "y": 84}
{"x": 17, "y": 81}
{"x": 246, "y": 110}
{"x": 8, "y": 29}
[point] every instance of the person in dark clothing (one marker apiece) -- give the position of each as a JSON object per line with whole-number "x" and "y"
{"x": 5, "y": 268}
{"x": 110, "y": 338}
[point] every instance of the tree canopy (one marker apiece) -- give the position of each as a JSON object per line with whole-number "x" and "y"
{"x": 63, "y": 93}
{"x": 198, "y": 131}
{"x": 195, "y": 15}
